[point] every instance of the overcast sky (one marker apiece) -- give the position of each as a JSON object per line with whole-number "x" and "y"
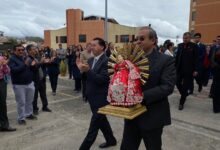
{"x": 30, "y": 17}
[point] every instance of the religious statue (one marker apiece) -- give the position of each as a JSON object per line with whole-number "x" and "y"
{"x": 128, "y": 69}
{"x": 125, "y": 85}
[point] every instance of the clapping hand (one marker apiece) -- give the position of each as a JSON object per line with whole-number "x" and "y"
{"x": 195, "y": 73}
{"x": 84, "y": 67}
{"x": 33, "y": 63}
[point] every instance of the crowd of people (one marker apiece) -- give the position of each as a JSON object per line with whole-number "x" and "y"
{"x": 29, "y": 66}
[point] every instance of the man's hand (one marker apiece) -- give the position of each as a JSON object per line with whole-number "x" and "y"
{"x": 195, "y": 73}
{"x": 3, "y": 62}
{"x": 33, "y": 63}
{"x": 85, "y": 67}
{"x": 27, "y": 62}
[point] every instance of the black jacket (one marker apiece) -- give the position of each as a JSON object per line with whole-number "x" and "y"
{"x": 53, "y": 67}
{"x": 187, "y": 60}
{"x": 97, "y": 83}
{"x": 159, "y": 85}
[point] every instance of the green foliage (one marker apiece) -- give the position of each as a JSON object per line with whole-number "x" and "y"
{"x": 34, "y": 39}
{"x": 63, "y": 68}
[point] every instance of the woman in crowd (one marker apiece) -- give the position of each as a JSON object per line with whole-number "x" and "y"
{"x": 53, "y": 70}
{"x": 70, "y": 56}
{"x": 4, "y": 71}
{"x": 76, "y": 71}
{"x": 169, "y": 50}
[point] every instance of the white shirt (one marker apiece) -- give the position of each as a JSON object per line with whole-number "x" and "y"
{"x": 97, "y": 57}
{"x": 95, "y": 60}
{"x": 167, "y": 52}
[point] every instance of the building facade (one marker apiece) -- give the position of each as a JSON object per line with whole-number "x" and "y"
{"x": 81, "y": 30}
{"x": 205, "y": 18}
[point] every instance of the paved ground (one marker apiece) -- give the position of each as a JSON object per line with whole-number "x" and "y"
{"x": 194, "y": 128}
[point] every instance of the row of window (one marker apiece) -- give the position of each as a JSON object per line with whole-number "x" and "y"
{"x": 82, "y": 38}
{"x": 124, "y": 38}
{"x": 63, "y": 39}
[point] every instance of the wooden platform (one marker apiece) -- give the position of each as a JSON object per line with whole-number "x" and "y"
{"x": 123, "y": 112}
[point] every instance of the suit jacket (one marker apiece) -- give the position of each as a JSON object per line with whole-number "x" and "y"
{"x": 160, "y": 84}
{"x": 191, "y": 59}
{"x": 97, "y": 83}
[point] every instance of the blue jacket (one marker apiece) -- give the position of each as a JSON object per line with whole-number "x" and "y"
{"x": 21, "y": 74}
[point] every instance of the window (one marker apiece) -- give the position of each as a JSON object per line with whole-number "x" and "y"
{"x": 193, "y": 16}
{"x": 57, "y": 41}
{"x": 82, "y": 38}
{"x": 116, "y": 39}
{"x": 63, "y": 39}
{"x": 124, "y": 39}
{"x": 133, "y": 38}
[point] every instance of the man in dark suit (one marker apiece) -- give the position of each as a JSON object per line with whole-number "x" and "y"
{"x": 201, "y": 56}
{"x": 161, "y": 82}
{"x": 96, "y": 90}
{"x": 186, "y": 67}
{"x": 214, "y": 48}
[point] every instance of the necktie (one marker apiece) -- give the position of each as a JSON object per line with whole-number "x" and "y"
{"x": 94, "y": 62}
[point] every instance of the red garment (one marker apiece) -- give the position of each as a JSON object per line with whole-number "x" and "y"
{"x": 206, "y": 62}
{"x": 125, "y": 85}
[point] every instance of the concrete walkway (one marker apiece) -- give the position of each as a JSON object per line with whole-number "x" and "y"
{"x": 194, "y": 128}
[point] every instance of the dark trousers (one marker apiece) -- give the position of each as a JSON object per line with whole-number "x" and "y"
{"x": 133, "y": 135}
{"x": 3, "y": 106}
{"x": 70, "y": 70}
{"x": 98, "y": 121}
{"x": 206, "y": 75}
{"x": 184, "y": 82}
{"x": 78, "y": 84}
{"x": 41, "y": 88}
{"x": 53, "y": 81}
{"x": 216, "y": 91}
{"x": 84, "y": 77}
{"x": 203, "y": 77}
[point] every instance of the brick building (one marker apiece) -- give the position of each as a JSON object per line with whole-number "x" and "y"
{"x": 205, "y": 18}
{"x": 81, "y": 30}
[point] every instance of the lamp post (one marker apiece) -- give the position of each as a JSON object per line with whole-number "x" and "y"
{"x": 106, "y": 20}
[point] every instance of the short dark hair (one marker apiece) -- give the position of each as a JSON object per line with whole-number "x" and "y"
{"x": 197, "y": 35}
{"x": 187, "y": 33}
{"x": 18, "y": 45}
{"x": 166, "y": 42}
{"x": 28, "y": 48}
{"x": 101, "y": 42}
{"x": 169, "y": 44}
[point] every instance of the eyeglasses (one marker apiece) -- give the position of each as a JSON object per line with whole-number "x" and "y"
{"x": 140, "y": 38}
{"x": 20, "y": 49}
